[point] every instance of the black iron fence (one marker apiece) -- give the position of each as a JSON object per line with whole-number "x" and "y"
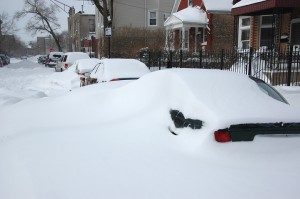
{"x": 276, "y": 68}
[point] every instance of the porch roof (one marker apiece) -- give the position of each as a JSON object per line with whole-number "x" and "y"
{"x": 259, "y": 7}
{"x": 188, "y": 17}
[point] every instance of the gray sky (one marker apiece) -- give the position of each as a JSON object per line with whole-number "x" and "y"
{"x": 11, "y": 6}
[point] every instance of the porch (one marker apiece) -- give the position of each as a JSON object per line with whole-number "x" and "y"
{"x": 187, "y": 29}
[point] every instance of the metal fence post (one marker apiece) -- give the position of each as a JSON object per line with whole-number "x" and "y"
{"x": 289, "y": 74}
{"x": 250, "y": 61}
{"x": 200, "y": 59}
{"x": 149, "y": 59}
{"x": 181, "y": 58}
{"x": 169, "y": 65}
{"x": 222, "y": 59}
{"x": 159, "y": 60}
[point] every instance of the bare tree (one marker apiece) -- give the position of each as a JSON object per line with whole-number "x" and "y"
{"x": 7, "y": 29}
{"x": 43, "y": 18}
{"x": 105, "y": 11}
{"x": 8, "y": 26}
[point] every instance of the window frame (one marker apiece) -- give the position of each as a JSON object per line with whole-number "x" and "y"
{"x": 92, "y": 25}
{"x": 149, "y": 18}
{"x": 241, "y": 29}
{"x": 264, "y": 26}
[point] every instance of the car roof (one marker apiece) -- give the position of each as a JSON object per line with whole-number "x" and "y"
{"x": 73, "y": 56}
{"x": 86, "y": 65}
{"x": 121, "y": 68}
{"x": 225, "y": 97}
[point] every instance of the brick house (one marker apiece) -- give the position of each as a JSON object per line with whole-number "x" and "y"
{"x": 200, "y": 24}
{"x": 267, "y": 24}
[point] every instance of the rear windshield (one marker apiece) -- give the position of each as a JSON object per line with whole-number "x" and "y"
{"x": 56, "y": 56}
{"x": 269, "y": 90}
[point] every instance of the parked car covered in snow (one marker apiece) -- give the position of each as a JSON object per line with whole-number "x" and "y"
{"x": 68, "y": 59}
{"x": 1, "y": 63}
{"x": 53, "y": 58}
{"x": 84, "y": 67}
{"x": 116, "y": 70}
{"x": 5, "y": 59}
{"x": 240, "y": 107}
{"x": 42, "y": 59}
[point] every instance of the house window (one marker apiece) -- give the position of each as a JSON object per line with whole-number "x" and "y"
{"x": 244, "y": 33}
{"x": 152, "y": 18}
{"x": 190, "y": 2}
{"x": 91, "y": 25}
{"x": 266, "y": 31}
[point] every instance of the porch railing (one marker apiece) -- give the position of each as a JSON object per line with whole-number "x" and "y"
{"x": 277, "y": 68}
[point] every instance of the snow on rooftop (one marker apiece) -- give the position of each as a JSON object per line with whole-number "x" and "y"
{"x": 218, "y": 5}
{"x": 246, "y": 2}
{"x": 194, "y": 15}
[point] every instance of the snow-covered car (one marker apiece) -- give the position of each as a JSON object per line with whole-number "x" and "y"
{"x": 5, "y": 59}
{"x": 52, "y": 59}
{"x": 68, "y": 59}
{"x": 84, "y": 67}
{"x": 125, "y": 139}
{"x": 116, "y": 70}
{"x": 42, "y": 59}
{"x": 233, "y": 101}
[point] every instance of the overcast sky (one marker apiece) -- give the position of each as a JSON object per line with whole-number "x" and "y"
{"x": 11, "y": 6}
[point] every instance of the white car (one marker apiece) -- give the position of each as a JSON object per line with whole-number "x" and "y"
{"x": 118, "y": 69}
{"x": 53, "y": 58}
{"x": 68, "y": 59}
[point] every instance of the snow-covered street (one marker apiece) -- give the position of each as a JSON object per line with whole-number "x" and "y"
{"x": 26, "y": 79}
{"x": 112, "y": 141}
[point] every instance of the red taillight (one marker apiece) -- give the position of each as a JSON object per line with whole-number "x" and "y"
{"x": 115, "y": 79}
{"x": 222, "y": 136}
{"x": 66, "y": 65}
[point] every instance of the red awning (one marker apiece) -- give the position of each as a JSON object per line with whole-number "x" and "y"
{"x": 265, "y": 6}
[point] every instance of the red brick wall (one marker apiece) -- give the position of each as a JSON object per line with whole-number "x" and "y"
{"x": 183, "y": 4}
{"x": 222, "y": 32}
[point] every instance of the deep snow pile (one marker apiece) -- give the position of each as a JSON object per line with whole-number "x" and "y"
{"x": 23, "y": 80}
{"x": 112, "y": 141}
